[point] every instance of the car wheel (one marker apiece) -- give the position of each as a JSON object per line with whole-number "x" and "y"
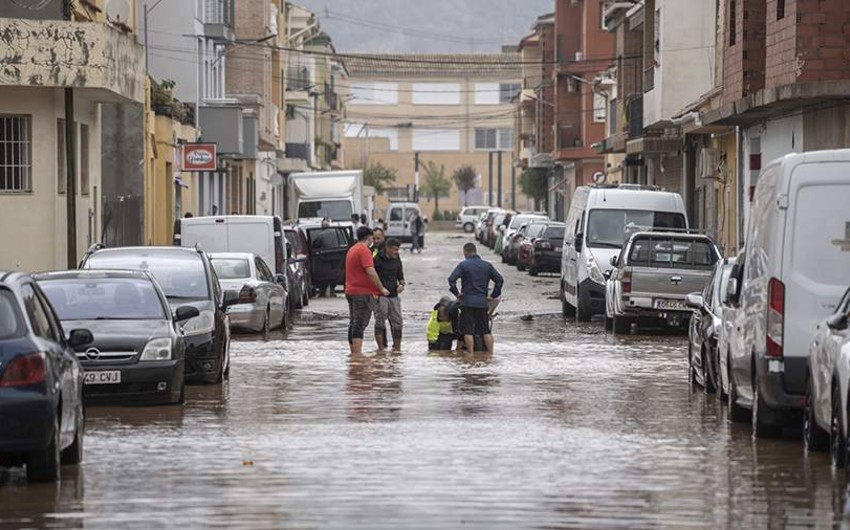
{"x": 182, "y": 398}
{"x": 266, "y": 324}
{"x": 73, "y": 454}
{"x": 762, "y": 429}
{"x": 468, "y": 228}
{"x": 736, "y": 413}
{"x": 306, "y": 294}
{"x": 621, "y": 325}
{"x": 583, "y": 314}
{"x": 43, "y": 466}
{"x": 707, "y": 382}
{"x": 520, "y": 266}
{"x": 566, "y": 308}
{"x": 814, "y": 438}
{"x": 609, "y": 324}
{"x": 837, "y": 443}
{"x": 532, "y": 270}
{"x": 718, "y": 379}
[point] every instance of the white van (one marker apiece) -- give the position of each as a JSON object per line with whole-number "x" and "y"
{"x": 397, "y": 221}
{"x": 797, "y": 268}
{"x": 258, "y": 234}
{"x": 599, "y": 221}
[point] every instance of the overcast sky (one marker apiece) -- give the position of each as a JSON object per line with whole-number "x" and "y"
{"x": 437, "y": 26}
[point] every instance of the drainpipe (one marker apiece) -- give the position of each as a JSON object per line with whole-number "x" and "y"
{"x": 71, "y": 181}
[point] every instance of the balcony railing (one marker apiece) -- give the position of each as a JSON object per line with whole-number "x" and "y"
{"x": 568, "y": 137}
{"x": 635, "y": 111}
{"x": 299, "y": 151}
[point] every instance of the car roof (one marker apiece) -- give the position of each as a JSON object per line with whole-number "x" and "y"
{"x": 12, "y": 277}
{"x": 232, "y": 255}
{"x": 149, "y": 250}
{"x": 101, "y": 273}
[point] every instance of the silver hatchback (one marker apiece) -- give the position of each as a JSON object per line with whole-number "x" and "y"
{"x": 262, "y": 296}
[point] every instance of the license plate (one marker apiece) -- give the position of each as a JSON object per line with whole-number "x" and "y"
{"x": 103, "y": 377}
{"x": 671, "y": 304}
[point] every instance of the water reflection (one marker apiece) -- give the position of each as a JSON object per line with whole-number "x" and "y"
{"x": 374, "y": 389}
{"x": 25, "y": 505}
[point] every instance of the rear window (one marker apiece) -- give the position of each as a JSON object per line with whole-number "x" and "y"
{"x": 231, "y": 268}
{"x": 11, "y": 323}
{"x": 103, "y": 299}
{"x": 554, "y": 232}
{"x": 672, "y": 253}
{"x": 179, "y": 274}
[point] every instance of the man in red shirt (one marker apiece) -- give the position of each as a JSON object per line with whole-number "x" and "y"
{"x": 362, "y": 288}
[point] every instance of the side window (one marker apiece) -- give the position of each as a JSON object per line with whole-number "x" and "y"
{"x": 37, "y": 314}
{"x": 216, "y": 286}
{"x": 263, "y": 271}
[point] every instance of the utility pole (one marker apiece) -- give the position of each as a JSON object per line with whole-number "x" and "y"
{"x": 513, "y": 185}
{"x": 490, "y": 181}
{"x": 499, "y": 195}
{"x": 71, "y": 182}
{"x": 416, "y": 177}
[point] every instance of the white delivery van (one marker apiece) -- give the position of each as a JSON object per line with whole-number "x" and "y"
{"x": 259, "y": 234}
{"x": 398, "y": 218}
{"x": 797, "y": 256}
{"x": 336, "y": 195}
{"x": 599, "y": 221}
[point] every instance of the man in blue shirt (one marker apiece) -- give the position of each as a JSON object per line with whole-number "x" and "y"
{"x": 475, "y": 274}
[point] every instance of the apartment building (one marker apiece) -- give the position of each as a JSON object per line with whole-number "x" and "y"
{"x": 449, "y": 110}
{"x": 52, "y": 125}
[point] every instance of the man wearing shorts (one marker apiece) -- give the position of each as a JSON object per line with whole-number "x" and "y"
{"x": 362, "y": 288}
{"x": 389, "y": 268}
{"x": 475, "y": 275}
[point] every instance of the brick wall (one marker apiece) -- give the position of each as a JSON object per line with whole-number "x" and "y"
{"x": 744, "y": 61}
{"x": 546, "y": 134}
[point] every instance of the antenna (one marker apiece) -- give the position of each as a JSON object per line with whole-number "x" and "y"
{"x": 118, "y": 11}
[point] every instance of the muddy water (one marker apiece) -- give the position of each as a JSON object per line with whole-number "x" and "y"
{"x": 566, "y": 426}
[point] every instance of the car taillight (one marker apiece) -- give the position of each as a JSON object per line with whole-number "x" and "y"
{"x": 542, "y": 245}
{"x": 248, "y": 295}
{"x": 775, "y": 318}
{"x": 26, "y": 370}
{"x": 626, "y": 282}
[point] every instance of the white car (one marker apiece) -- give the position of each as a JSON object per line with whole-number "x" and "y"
{"x": 730, "y": 338}
{"x": 516, "y": 222}
{"x": 469, "y": 216}
{"x": 262, "y": 300}
{"x": 796, "y": 271}
{"x": 839, "y": 444}
{"x": 824, "y": 415}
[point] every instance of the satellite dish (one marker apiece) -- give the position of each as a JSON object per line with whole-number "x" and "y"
{"x": 118, "y": 11}
{"x": 599, "y": 178}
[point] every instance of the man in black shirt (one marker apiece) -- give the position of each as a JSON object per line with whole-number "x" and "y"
{"x": 389, "y": 268}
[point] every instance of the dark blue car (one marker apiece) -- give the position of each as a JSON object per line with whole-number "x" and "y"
{"x": 41, "y": 382}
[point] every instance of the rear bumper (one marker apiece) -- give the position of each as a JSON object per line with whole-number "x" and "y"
{"x": 140, "y": 384}
{"x": 784, "y": 405}
{"x": 593, "y": 296}
{"x": 27, "y": 420}
{"x": 550, "y": 262}
{"x": 247, "y": 316}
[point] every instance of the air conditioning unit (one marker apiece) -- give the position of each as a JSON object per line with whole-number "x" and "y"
{"x": 708, "y": 165}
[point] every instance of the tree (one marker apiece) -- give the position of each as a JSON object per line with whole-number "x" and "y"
{"x": 436, "y": 184}
{"x": 379, "y": 176}
{"x": 465, "y": 178}
{"x": 534, "y": 183}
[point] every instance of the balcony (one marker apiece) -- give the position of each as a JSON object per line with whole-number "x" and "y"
{"x": 298, "y": 79}
{"x": 635, "y": 113}
{"x": 91, "y": 56}
{"x": 299, "y": 151}
{"x": 218, "y": 20}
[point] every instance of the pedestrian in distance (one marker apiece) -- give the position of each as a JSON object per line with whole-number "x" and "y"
{"x": 417, "y": 227}
{"x": 389, "y": 267}
{"x": 378, "y": 239}
{"x": 475, "y": 276}
{"x": 362, "y": 288}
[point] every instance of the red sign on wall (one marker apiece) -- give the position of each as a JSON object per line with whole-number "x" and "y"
{"x": 199, "y": 157}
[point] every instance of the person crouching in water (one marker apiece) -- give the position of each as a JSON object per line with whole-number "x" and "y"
{"x": 443, "y": 326}
{"x": 391, "y": 271}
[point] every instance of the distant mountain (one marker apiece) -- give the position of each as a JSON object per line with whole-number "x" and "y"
{"x": 426, "y": 26}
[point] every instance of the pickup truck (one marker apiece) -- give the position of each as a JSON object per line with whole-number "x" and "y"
{"x": 653, "y": 274}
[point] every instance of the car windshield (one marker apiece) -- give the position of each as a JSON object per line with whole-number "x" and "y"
{"x": 231, "y": 268}
{"x": 104, "y": 299}
{"x": 335, "y": 210}
{"x": 610, "y": 228}
{"x": 11, "y": 324}
{"x": 180, "y": 275}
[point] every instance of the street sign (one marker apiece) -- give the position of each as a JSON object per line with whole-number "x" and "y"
{"x": 199, "y": 157}
{"x": 599, "y": 178}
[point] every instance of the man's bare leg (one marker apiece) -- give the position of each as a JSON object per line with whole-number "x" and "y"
{"x": 469, "y": 342}
{"x": 488, "y": 343}
{"x": 356, "y": 346}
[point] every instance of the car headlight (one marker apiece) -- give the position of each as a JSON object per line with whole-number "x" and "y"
{"x": 203, "y": 323}
{"x": 594, "y": 271}
{"x": 157, "y": 350}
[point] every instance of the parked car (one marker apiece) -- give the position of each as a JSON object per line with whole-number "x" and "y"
{"x": 824, "y": 416}
{"x": 138, "y": 352}
{"x": 796, "y": 271}
{"x": 481, "y": 227}
{"x": 41, "y": 382}
{"x": 517, "y": 221}
{"x": 839, "y": 432}
{"x": 187, "y": 277}
{"x": 706, "y": 326}
{"x": 484, "y": 228}
{"x": 599, "y": 221}
{"x": 546, "y": 249}
{"x": 328, "y": 247}
{"x": 525, "y": 247}
{"x": 511, "y": 253}
{"x": 494, "y": 228}
{"x": 653, "y": 274}
{"x": 300, "y": 280}
{"x": 263, "y": 299}
{"x": 468, "y": 217}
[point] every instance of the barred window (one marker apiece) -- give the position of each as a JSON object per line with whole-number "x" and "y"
{"x": 15, "y": 153}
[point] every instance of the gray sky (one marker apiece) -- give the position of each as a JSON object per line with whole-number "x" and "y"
{"x": 437, "y": 26}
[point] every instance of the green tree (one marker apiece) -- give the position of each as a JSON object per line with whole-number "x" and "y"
{"x": 436, "y": 184}
{"x": 534, "y": 183}
{"x": 465, "y": 177}
{"x": 379, "y": 177}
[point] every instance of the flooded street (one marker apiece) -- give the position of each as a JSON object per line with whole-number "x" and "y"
{"x": 565, "y": 426}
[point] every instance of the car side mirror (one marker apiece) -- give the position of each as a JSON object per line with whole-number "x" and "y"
{"x": 694, "y": 301}
{"x": 186, "y": 312}
{"x": 837, "y": 322}
{"x": 231, "y": 298}
{"x": 614, "y": 260}
{"x": 732, "y": 291}
{"x": 579, "y": 244}
{"x": 80, "y": 337}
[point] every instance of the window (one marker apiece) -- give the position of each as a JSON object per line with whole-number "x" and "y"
{"x": 780, "y": 9}
{"x": 657, "y": 36}
{"x": 374, "y": 94}
{"x": 397, "y": 194}
{"x": 600, "y": 105}
{"x": 436, "y": 93}
{"x": 179, "y": 275}
{"x": 360, "y": 130}
{"x": 231, "y": 268}
{"x": 15, "y": 153}
{"x": 36, "y": 313}
{"x": 263, "y": 270}
{"x": 507, "y": 91}
{"x": 11, "y": 324}
{"x": 61, "y": 161}
{"x": 494, "y": 139}
{"x": 104, "y": 299}
{"x": 436, "y": 140}
{"x": 496, "y": 93}
{"x": 733, "y": 22}
{"x": 84, "y": 159}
